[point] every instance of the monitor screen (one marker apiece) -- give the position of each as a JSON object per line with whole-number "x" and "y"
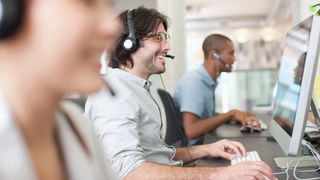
{"x": 289, "y": 78}
{"x": 295, "y": 84}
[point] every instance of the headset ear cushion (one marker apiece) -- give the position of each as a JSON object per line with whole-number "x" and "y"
{"x": 10, "y": 17}
{"x": 216, "y": 56}
{"x": 129, "y": 44}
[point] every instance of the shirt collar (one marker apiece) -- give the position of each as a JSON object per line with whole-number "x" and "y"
{"x": 5, "y": 115}
{"x": 206, "y": 76}
{"x": 132, "y": 78}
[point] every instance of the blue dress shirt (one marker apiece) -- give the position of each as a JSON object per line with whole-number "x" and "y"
{"x": 195, "y": 94}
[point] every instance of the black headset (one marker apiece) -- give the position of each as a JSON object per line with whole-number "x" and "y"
{"x": 11, "y": 13}
{"x": 130, "y": 43}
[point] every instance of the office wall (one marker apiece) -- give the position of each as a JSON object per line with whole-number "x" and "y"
{"x": 304, "y": 8}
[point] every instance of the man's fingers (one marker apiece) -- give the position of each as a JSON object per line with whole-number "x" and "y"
{"x": 240, "y": 147}
{"x": 231, "y": 145}
{"x": 259, "y": 168}
{"x": 225, "y": 155}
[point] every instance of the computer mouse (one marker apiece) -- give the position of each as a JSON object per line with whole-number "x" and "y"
{"x": 248, "y": 129}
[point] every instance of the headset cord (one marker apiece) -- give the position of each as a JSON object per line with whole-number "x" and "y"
{"x": 177, "y": 121}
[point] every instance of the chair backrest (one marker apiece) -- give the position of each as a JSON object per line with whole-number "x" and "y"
{"x": 174, "y": 134}
{"x": 80, "y": 101}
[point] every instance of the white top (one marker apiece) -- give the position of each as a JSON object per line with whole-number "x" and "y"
{"x": 15, "y": 163}
{"x": 129, "y": 125}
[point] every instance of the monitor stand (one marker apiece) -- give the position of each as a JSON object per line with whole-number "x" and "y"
{"x": 306, "y": 161}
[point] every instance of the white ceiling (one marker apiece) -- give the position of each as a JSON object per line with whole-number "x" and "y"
{"x": 236, "y": 13}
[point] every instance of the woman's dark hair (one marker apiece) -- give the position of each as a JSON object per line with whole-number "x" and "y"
{"x": 145, "y": 21}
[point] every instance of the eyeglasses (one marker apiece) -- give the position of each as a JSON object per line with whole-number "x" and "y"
{"x": 159, "y": 37}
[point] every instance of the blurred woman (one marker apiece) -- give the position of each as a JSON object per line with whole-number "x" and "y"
{"x": 49, "y": 48}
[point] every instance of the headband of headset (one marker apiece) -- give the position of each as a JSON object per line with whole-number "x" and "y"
{"x": 130, "y": 42}
{"x": 11, "y": 13}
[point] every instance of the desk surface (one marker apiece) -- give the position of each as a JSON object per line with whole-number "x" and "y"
{"x": 263, "y": 143}
{"x": 267, "y": 149}
{"x": 232, "y": 130}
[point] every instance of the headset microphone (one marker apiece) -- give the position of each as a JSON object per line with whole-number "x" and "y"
{"x": 170, "y": 56}
{"x": 219, "y": 58}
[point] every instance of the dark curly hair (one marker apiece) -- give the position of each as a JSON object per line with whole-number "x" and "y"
{"x": 145, "y": 21}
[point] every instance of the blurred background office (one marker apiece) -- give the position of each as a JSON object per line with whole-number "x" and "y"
{"x": 258, "y": 29}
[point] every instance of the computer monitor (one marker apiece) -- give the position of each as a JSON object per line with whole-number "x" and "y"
{"x": 295, "y": 84}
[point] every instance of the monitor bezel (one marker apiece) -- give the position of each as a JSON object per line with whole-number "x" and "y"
{"x": 291, "y": 145}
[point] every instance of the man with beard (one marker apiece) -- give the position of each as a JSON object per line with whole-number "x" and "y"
{"x": 129, "y": 125}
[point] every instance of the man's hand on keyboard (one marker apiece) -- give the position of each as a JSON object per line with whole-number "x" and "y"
{"x": 223, "y": 148}
{"x": 245, "y": 118}
{"x": 247, "y": 170}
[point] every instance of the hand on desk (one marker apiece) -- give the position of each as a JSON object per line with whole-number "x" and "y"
{"x": 245, "y": 118}
{"x": 244, "y": 170}
{"x": 223, "y": 148}
{"x": 247, "y": 170}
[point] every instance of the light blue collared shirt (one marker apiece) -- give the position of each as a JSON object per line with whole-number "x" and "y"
{"x": 195, "y": 93}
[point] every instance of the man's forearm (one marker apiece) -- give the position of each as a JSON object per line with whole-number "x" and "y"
{"x": 151, "y": 170}
{"x": 200, "y": 127}
{"x": 189, "y": 154}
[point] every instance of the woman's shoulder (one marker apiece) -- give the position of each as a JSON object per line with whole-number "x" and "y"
{"x": 74, "y": 113}
{"x": 83, "y": 129}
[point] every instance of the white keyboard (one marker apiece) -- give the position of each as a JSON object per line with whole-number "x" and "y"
{"x": 250, "y": 156}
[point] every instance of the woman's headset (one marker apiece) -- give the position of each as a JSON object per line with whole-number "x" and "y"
{"x": 11, "y": 13}
{"x": 130, "y": 43}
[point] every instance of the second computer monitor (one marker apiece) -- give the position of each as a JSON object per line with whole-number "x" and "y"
{"x": 295, "y": 84}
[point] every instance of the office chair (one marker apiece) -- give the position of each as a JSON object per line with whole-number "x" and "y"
{"x": 174, "y": 134}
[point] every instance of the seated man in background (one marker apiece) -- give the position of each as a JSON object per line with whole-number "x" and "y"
{"x": 195, "y": 96}
{"x": 129, "y": 125}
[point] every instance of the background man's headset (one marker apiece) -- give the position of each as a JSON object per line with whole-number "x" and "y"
{"x": 11, "y": 14}
{"x": 219, "y": 58}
